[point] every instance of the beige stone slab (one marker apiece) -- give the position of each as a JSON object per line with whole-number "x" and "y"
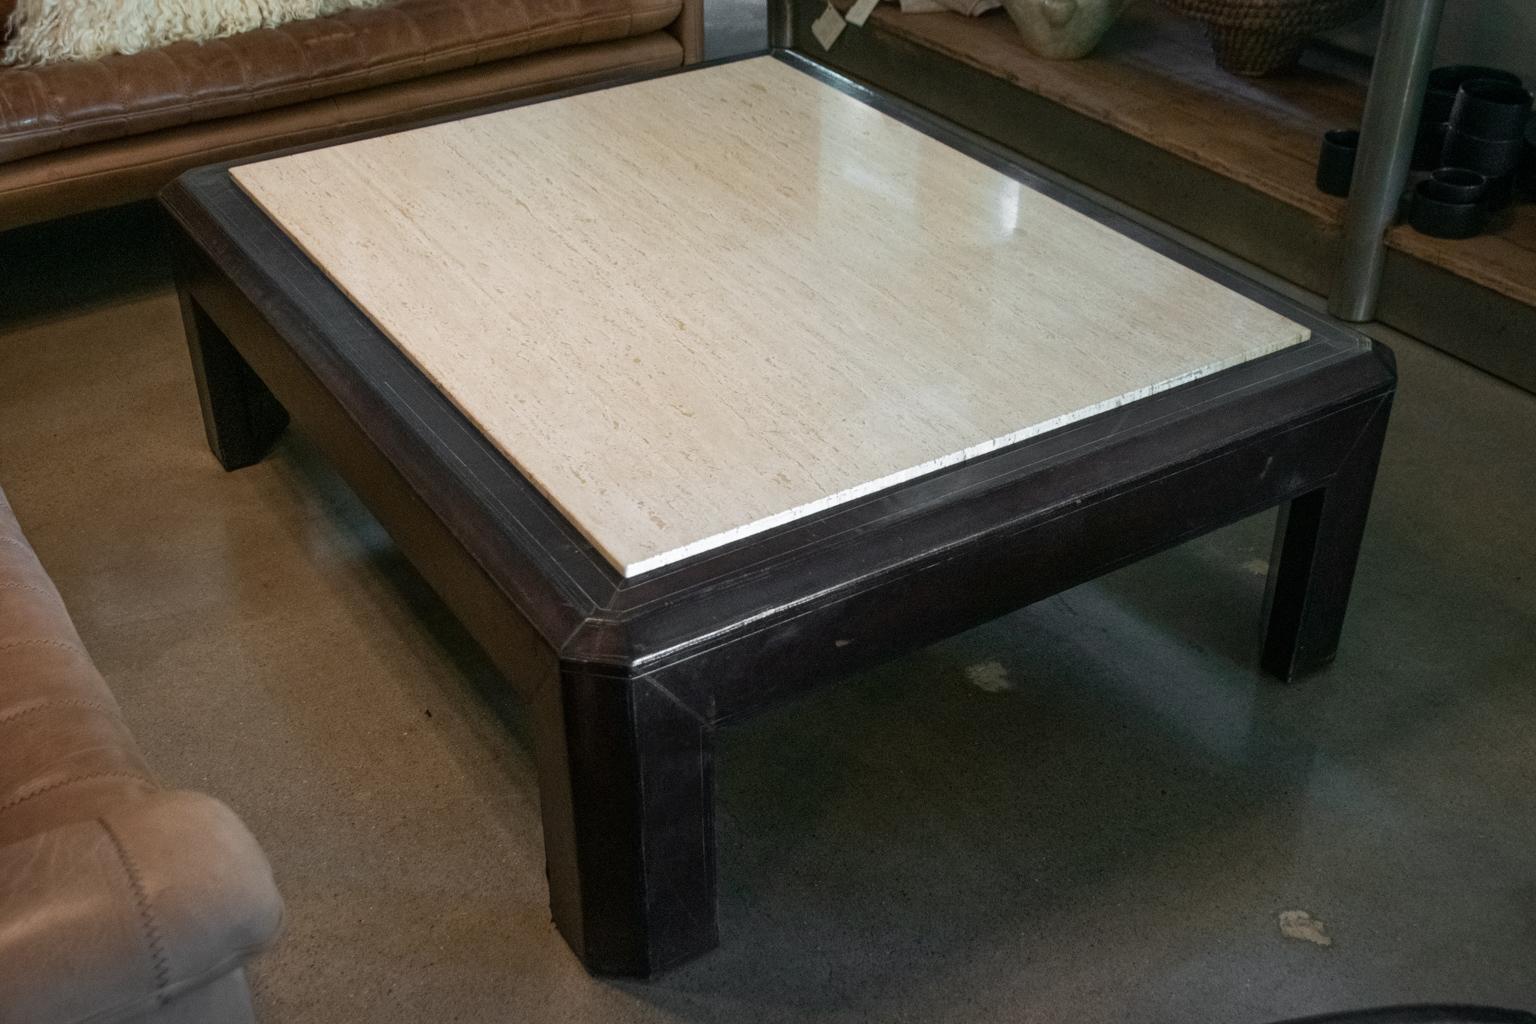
{"x": 698, "y": 307}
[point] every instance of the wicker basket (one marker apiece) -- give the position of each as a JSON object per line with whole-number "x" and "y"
{"x": 1260, "y": 37}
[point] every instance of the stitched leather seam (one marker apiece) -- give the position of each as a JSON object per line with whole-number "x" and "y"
{"x": 50, "y": 705}
{"x": 18, "y": 801}
{"x": 14, "y": 585}
{"x": 535, "y": 36}
{"x": 488, "y": 96}
{"x": 63, "y": 645}
{"x": 152, "y": 934}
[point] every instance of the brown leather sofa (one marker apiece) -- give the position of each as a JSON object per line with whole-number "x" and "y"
{"x": 77, "y": 136}
{"x": 119, "y": 901}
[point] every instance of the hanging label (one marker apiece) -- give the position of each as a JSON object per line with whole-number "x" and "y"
{"x": 828, "y": 27}
{"x": 860, "y": 12}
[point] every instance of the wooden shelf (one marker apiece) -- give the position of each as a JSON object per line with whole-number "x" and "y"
{"x": 1503, "y": 261}
{"x": 1245, "y": 148}
{"x": 1153, "y": 78}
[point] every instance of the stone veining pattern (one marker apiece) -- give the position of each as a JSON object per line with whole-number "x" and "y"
{"x": 697, "y": 307}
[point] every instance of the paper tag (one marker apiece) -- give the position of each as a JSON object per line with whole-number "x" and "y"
{"x": 828, "y": 27}
{"x": 860, "y": 12}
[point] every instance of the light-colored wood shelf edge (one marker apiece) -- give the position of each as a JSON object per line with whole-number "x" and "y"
{"x": 1504, "y": 260}
{"x": 1153, "y": 78}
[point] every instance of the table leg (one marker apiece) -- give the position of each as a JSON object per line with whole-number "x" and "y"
{"x": 626, "y": 779}
{"x": 1317, "y": 543}
{"x": 240, "y": 415}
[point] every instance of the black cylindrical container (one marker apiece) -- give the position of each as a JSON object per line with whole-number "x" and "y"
{"x": 1437, "y": 213}
{"x": 1429, "y": 145}
{"x": 1445, "y": 82}
{"x": 1491, "y": 109}
{"x": 1459, "y": 184}
{"x": 1499, "y": 193}
{"x": 1336, "y": 162}
{"x": 1492, "y": 158}
{"x": 1527, "y": 172}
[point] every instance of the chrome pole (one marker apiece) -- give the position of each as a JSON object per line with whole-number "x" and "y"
{"x": 1404, "y": 54}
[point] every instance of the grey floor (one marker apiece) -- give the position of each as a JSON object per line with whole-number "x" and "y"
{"x": 1091, "y": 810}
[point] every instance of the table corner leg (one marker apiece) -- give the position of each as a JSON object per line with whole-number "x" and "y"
{"x": 1317, "y": 546}
{"x": 627, "y": 791}
{"x": 241, "y": 417}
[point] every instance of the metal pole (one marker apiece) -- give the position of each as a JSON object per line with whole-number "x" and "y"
{"x": 1409, "y": 29}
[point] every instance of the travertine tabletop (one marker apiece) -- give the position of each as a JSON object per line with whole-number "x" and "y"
{"x": 697, "y": 307}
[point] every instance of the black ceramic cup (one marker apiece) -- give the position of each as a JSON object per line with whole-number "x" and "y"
{"x": 1527, "y": 172}
{"x": 1491, "y": 109}
{"x": 1445, "y": 82}
{"x": 1336, "y": 162}
{"x": 1499, "y": 193}
{"x": 1459, "y": 185}
{"x": 1439, "y": 217}
{"x": 1492, "y": 158}
{"x": 1429, "y": 145}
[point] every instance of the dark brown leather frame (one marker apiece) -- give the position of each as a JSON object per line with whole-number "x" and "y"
{"x": 628, "y": 679}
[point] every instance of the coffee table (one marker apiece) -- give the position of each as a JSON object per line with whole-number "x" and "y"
{"x": 694, "y": 392}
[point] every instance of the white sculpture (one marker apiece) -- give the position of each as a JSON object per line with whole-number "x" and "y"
{"x": 1063, "y": 29}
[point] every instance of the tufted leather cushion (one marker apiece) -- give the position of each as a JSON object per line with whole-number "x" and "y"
{"x": 117, "y": 898}
{"x": 64, "y": 751}
{"x": 59, "y": 106}
{"x": 124, "y": 170}
{"x": 112, "y": 918}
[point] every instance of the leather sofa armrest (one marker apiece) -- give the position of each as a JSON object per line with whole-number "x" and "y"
{"x": 111, "y": 918}
{"x": 688, "y": 29}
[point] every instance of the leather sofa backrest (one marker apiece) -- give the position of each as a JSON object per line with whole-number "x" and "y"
{"x": 70, "y": 104}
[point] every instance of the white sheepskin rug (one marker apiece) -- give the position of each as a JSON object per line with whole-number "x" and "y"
{"x": 55, "y": 30}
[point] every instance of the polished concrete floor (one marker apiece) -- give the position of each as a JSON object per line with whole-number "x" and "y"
{"x": 1091, "y": 810}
